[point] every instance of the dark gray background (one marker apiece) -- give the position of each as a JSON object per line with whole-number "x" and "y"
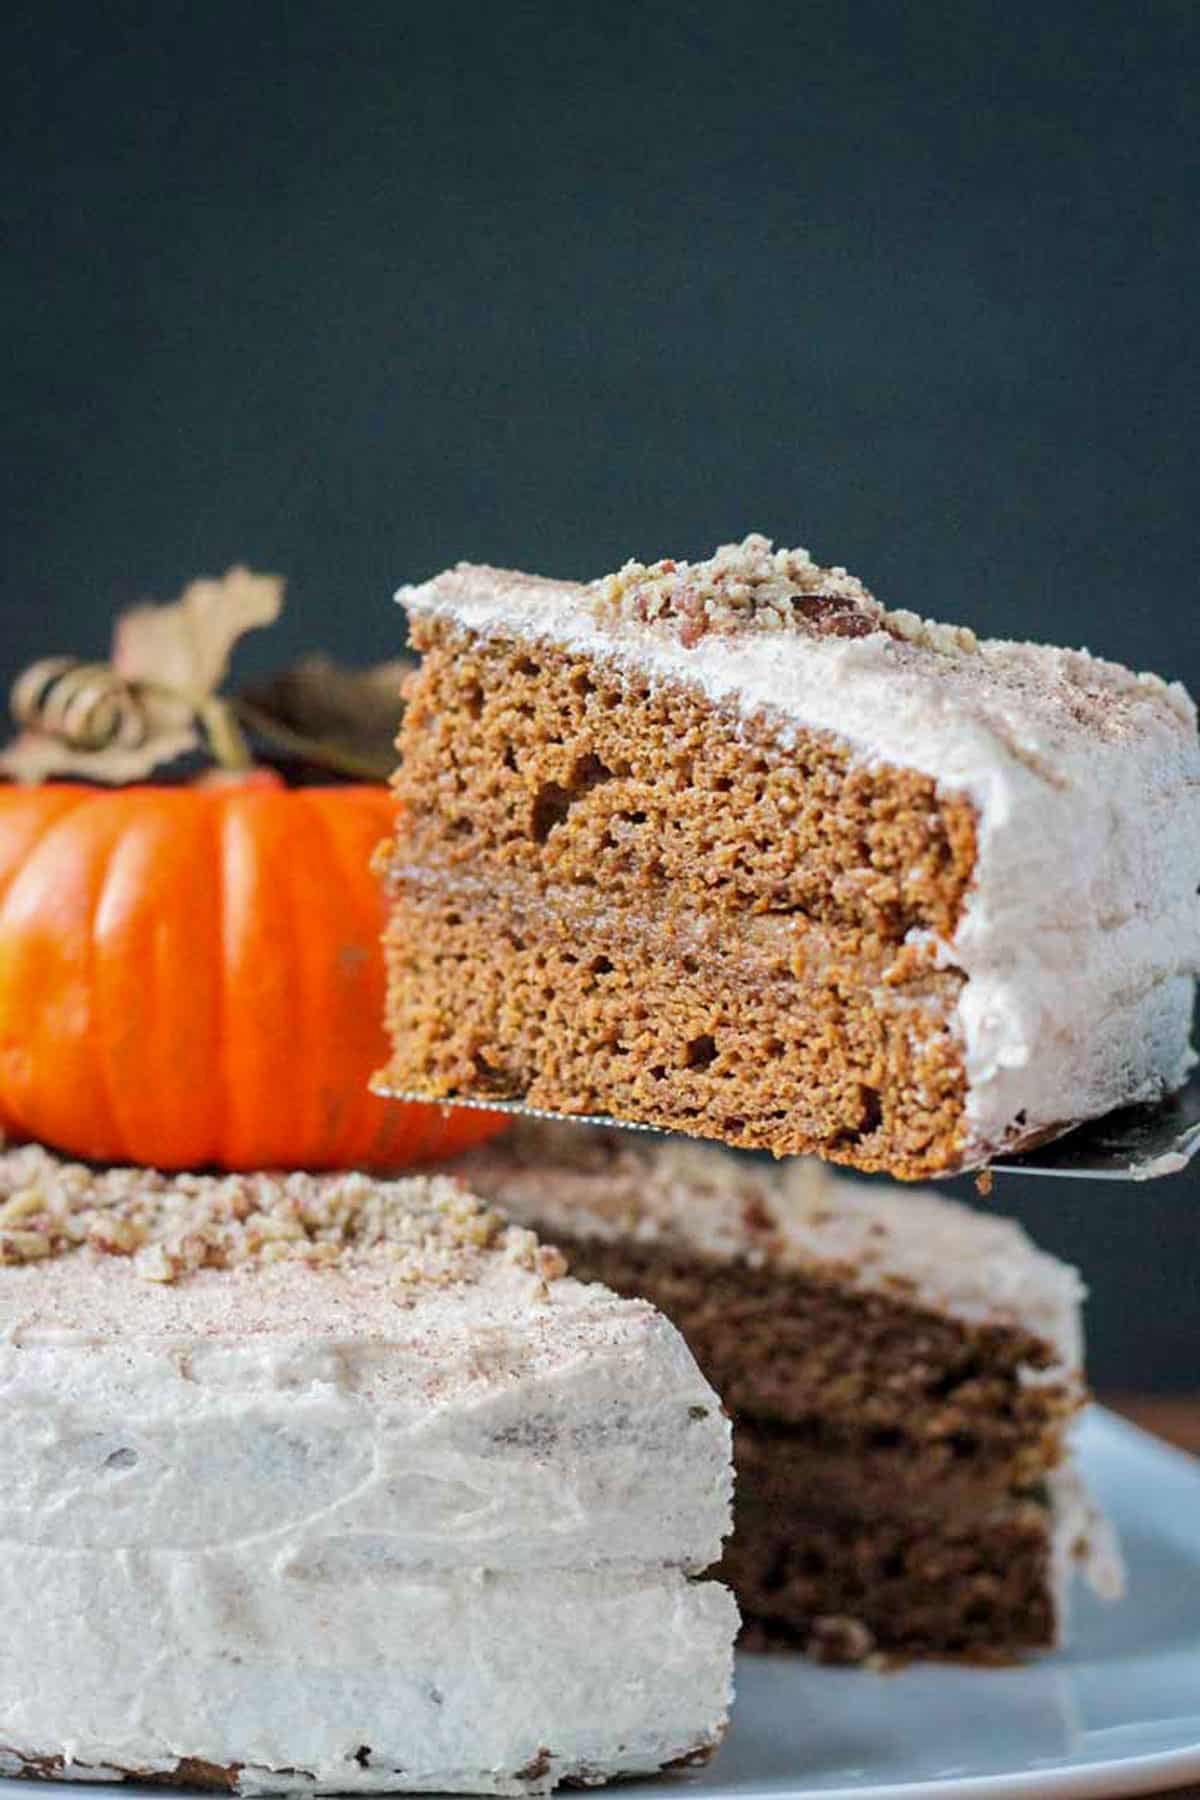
{"x": 352, "y": 291}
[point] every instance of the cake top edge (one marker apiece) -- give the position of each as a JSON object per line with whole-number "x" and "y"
{"x": 750, "y": 600}
{"x": 914, "y": 1243}
{"x": 425, "y": 1232}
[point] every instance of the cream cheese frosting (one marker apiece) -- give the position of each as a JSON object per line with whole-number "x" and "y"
{"x": 421, "y": 1514}
{"x": 592, "y": 1184}
{"x": 613, "y": 1186}
{"x": 1080, "y": 941}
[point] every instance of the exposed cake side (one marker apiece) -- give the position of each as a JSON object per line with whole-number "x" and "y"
{"x": 326, "y": 1473}
{"x": 1080, "y": 938}
{"x": 604, "y": 899}
{"x": 902, "y": 1372}
{"x": 974, "y": 1266}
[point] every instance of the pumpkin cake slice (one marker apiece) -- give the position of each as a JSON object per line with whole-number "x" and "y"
{"x": 902, "y": 1373}
{"x": 320, "y": 1483}
{"x": 730, "y": 849}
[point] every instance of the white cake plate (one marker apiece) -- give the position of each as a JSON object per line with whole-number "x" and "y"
{"x": 1118, "y": 1713}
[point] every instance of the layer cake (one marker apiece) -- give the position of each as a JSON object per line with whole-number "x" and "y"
{"x": 902, "y": 1373}
{"x": 318, "y": 1483}
{"x": 729, "y": 848}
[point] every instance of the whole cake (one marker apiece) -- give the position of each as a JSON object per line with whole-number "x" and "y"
{"x": 729, "y": 848}
{"x": 902, "y": 1373}
{"x": 320, "y": 1483}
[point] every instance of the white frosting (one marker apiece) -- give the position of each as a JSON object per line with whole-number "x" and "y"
{"x": 1081, "y": 938}
{"x": 1082, "y": 1541}
{"x": 578, "y": 1182}
{"x": 272, "y": 1515}
{"x": 586, "y": 1184}
{"x": 451, "y": 1683}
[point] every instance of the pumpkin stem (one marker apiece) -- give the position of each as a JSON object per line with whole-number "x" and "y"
{"x": 226, "y": 740}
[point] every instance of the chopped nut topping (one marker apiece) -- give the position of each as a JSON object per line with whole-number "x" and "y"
{"x": 22, "y": 1205}
{"x": 551, "y": 1263}
{"x": 944, "y": 640}
{"x": 833, "y": 617}
{"x": 751, "y": 586}
{"x": 429, "y": 1227}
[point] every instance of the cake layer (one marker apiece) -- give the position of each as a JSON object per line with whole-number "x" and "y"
{"x": 902, "y": 1372}
{"x": 746, "y": 1029}
{"x": 990, "y": 1583}
{"x": 961, "y": 1262}
{"x": 846, "y": 1586}
{"x": 758, "y": 735}
{"x": 625, "y": 788}
{"x": 814, "y": 1467}
{"x": 896, "y": 1335}
{"x": 322, "y": 1481}
{"x": 264, "y": 1678}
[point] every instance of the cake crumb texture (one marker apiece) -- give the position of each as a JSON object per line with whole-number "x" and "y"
{"x": 604, "y": 903}
{"x": 894, "y": 895}
{"x": 902, "y": 1372}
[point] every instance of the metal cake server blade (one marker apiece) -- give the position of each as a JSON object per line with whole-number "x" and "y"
{"x": 1135, "y": 1143}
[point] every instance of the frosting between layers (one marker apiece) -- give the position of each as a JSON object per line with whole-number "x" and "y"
{"x": 1081, "y": 938}
{"x": 1081, "y": 1539}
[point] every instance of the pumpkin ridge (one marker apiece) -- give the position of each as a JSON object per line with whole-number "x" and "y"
{"x": 303, "y": 872}
{"x": 15, "y": 1118}
{"x": 158, "y": 1033}
{"x": 261, "y": 1033}
{"x": 221, "y": 821}
{"x": 367, "y": 1121}
{"x": 98, "y": 825}
{"x": 66, "y": 798}
{"x": 106, "y": 1082}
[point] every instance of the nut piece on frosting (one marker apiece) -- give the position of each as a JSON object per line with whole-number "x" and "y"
{"x": 751, "y": 586}
{"x": 432, "y": 1229}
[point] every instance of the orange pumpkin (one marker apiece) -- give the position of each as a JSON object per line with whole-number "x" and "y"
{"x": 191, "y": 977}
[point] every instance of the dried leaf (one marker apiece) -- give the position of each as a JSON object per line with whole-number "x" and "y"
{"x": 186, "y": 645}
{"x": 33, "y": 757}
{"x": 353, "y": 710}
{"x": 172, "y": 658}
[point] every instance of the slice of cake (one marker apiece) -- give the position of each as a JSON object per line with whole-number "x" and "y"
{"x": 325, "y": 1484}
{"x": 728, "y": 848}
{"x": 902, "y": 1373}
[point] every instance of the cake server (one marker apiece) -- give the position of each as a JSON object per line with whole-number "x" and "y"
{"x": 1135, "y": 1143}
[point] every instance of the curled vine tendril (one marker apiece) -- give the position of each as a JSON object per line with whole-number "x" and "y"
{"x": 85, "y": 705}
{"x": 89, "y": 707}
